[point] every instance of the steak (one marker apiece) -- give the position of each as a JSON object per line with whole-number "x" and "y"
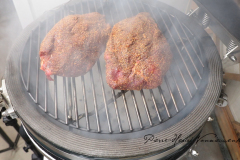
{"x": 137, "y": 54}
{"x": 73, "y": 45}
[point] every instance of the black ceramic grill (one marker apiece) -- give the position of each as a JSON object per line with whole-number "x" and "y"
{"x": 83, "y": 115}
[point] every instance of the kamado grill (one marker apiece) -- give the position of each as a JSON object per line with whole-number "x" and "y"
{"x": 82, "y": 117}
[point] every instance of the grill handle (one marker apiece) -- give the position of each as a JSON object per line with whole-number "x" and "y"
{"x": 225, "y": 12}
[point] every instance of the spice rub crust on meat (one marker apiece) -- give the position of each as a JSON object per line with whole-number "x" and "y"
{"x": 73, "y": 45}
{"x": 137, "y": 54}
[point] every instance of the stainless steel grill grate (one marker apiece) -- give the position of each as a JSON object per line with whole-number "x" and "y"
{"x": 87, "y": 103}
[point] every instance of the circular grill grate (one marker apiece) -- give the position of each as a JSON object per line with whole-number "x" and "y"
{"x": 88, "y": 103}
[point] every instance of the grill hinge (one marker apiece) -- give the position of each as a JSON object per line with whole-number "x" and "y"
{"x": 202, "y": 18}
{"x": 6, "y": 108}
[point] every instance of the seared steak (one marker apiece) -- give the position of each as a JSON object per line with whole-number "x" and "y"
{"x": 73, "y": 45}
{"x": 137, "y": 54}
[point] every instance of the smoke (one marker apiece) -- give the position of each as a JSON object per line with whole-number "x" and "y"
{"x": 9, "y": 28}
{"x": 181, "y": 5}
{"x": 163, "y": 99}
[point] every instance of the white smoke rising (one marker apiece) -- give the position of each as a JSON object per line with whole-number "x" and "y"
{"x": 100, "y": 103}
{"x": 181, "y": 5}
{"x": 29, "y": 10}
{"x": 9, "y": 30}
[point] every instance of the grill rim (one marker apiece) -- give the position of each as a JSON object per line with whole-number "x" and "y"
{"x": 163, "y": 153}
{"x": 15, "y": 90}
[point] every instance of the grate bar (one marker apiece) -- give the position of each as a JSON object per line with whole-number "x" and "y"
{"x": 136, "y": 6}
{"x": 93, "y": 88}
{"x": 170, "y": 91}
{"x": 104, "y": 96}
{"x": 95, "y": 6}
{"x": 46, "y": 94}
{"x": 181, "y": 53}
{"x": 102, "y": 7}
{"x": 55, "y": 87}
{"x": 65, "y": 11}
{"x": 95, "y": 101}
{"x": 116, "y": 10}
{"x": 81, "y": 7}
{"x": 55, "y": 97}
{"x": 75, "y": 9}
{"x": 37, "y": 78}
{"x": 88, "y": 6}
{"x": 123, "y": 92}
{"x": 130, "y": 7}
{"x": 198, "y": 47}
{"x": 132, "y": 93}
{"x": 143, "y": 7}
{"x": 102, "y": 106}
{"x": 178, "y": 52}
{"x": 184, "y": 46}
{"x": 83, "y": 86}
{"x": 167, "y": 84}
{"x": 65, "y": 100}
{"x": 179, "y": 89}
{"x": 127, "y": 111}
{"x": 182, "y": 78}
{"x": 117, "y": 113}
{"x": 164, "y": 101}
{"x": 29, "y": 61}
{"x": 178, "y": 49}
{"x": 85, "y": 102}
{"x": 69, "y": 94}
{"x": 46, "y": 82}
{"x": 155, "y": 104}
{"x": 137, "y": 110}
{"x": 190, "y": 42}
{"x": 146, "y": 107}
{"x": 75, "y": 101}
{"x": 173, "y": 58}
{"x": 124, "y": 10}
{"x": 111, "y": 13}
{"x": 62, "y": 13}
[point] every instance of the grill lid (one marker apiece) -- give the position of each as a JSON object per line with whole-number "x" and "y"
{"x": 179, "y": 106}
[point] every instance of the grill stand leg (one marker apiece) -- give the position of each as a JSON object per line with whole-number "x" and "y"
{"x": 7, "y": 139}
{"x": 29, "y": 145}
{"x": 12, "y": 145}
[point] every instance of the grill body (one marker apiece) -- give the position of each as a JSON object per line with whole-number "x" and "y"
{"x": 77, "y": 114}
{"x": 51, "y": 152}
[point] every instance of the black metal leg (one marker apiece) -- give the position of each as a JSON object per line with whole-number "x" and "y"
{"x": 16, "y": 141}
{"x": 7, "y": 139}
{"x": 29, "y": 145}
{"x": 9, "y": 122}
{"x": 5, "y": 150}
{"x": 21, "y": 133}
